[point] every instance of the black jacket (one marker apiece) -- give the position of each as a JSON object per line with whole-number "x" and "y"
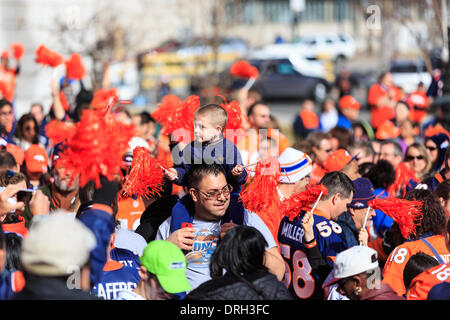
{"x": 349, "y": 230}
{"x": 230, "y": 288}
{"x": 154, "y": 215}
{"x": 50, "y": 288}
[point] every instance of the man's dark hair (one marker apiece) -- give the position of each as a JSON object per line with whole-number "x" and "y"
{"x": 433, "y": 219}
{"x": 252, "y": 107}
{"x": 239, "y": 253}
{"x": 4, "y": 102}
{"x": 337, "y": 182}
{"x": 382, "y": 175}
{"x": 146, "y": 117}
{"x": 7, "y": 160}
{"x": 197, "y": 172}
{"x": 417, "y": 264}
{"x": 443, "y": 190}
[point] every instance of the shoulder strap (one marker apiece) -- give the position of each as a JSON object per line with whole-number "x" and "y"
{"x": 181, "y": 212}
{"x": 436, "y": 254}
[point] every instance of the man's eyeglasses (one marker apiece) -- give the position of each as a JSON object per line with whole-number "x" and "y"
{"x": 215, "y": 194}
{"x": 410, "y": 158}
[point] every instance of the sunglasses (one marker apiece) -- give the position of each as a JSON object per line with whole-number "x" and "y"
{"x": 431, "y": 148}
{"x": 410, "y": 158}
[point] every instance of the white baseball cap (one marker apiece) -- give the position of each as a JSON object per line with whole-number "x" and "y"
{"x": 350, "y": 262}
{"x": 55, "y": 244}
{"x": 137, "y": 142}
{"x": 294, "y": 164}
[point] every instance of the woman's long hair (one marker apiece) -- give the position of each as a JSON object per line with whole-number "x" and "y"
{"x": 423, "y": 152}
{"x": 239, "y": 253}
{"x": 18, "y": 132}
{"x": 433, "y": 220}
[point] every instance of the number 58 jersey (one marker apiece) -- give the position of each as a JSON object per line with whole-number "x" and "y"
{"x": 301, "y": 280}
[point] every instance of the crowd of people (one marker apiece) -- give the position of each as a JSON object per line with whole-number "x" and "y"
{"x": 217, "y": 229}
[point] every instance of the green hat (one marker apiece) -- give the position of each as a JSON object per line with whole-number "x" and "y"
{"x": 167, "y": 262}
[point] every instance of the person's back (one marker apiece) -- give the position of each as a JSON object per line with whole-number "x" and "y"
{"x": 428, "y": 238}
{"x": 293, "y": 250}
{"x": 328, "y": 236}
{"x": 50, "y": 288}
{"x": 230, "y": 288}
{"x": 115, "y": 277}
{"x": 393, "y": 270}
{"x": 424, "y": 282}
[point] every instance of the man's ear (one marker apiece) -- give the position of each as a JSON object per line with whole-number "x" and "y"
{"x": 335, "y": 198}
{"x": 193, "y": 194}
{"x": 352, "y": 211}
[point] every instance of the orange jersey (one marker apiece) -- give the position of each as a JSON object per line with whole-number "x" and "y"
{"x": 422, "y": 284}
{"x": 419, "y": 102}
{"x": 7, "y": 83}
{"x": 129, "y": 212}
{"x": 317, "y": 173}
{"x": 395, "y": 264}
{"x": 379, "y": 114}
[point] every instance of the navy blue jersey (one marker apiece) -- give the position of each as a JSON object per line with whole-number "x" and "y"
{"x": 222, "y": 152}
{"x": 126, "y": 257}
{"x": 115, "y": 278}
{"x": 301, "y": 280}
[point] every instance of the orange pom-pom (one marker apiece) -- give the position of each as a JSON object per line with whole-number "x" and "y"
{"x": 405, "y": 213}
{"x": 174, "y": 114}
{"x": 146, "y": 175}
{"x": 58, "y": 131}
{"x": 243, "y": 69}
{"x": 18, "y": 50}
{"x": 97, "y": 147}
{"x": 104, "y": 99}
{"x": 47, "y": 57}
{"x": 261, "y": 192}
{"x": 404, "y": 176}
{"x": 74, "y": 67}
{"x": 292, "y": 206}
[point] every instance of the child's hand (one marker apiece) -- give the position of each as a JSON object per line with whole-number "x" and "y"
{"x": 171, "y": 174}
{"x": 237, "y": 170}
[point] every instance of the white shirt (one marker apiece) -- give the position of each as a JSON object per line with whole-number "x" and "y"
{"x": 128, "y": 295}
{"x": 205, "y": 242}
